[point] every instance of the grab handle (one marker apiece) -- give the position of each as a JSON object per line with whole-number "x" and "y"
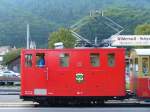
{"x": 46, "y": 73}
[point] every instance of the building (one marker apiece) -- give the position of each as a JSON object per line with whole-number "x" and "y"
{"x": 14, "y": 64}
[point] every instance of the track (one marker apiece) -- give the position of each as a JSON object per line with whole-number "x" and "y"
{"x": 107, "y": 104}
{"x": 9, "y": 99}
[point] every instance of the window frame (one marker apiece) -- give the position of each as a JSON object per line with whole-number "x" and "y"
{"x": 64, "y": 57}
{"x": 114, "y": 59}
{"x": 147, "y": 62}
{"x": 28, "y": 62}
{"x": 98, "y": 57}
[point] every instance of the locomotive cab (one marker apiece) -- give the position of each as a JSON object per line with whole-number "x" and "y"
{"x": 140, "y": 72}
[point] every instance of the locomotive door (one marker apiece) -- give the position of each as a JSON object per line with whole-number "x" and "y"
{"x": 40, "y": 74}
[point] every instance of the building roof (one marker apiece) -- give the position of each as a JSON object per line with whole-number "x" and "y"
{"x": 145, "y": 52}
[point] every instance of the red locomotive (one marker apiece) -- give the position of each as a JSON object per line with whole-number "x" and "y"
{"x": 80, "y": 75}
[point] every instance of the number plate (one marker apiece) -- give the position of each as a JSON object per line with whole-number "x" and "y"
{"x": 40, "y": 92}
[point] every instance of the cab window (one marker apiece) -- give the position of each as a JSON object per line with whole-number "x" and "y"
{"x": 111, "y": 59}
{"x": 64, "y": 59}
{"x": 40, "y": 59}
{"x": 28, "y": 60}
{"x": 95, "y": 59}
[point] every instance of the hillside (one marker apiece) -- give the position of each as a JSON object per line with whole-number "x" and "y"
{"x": 127, "y": 17}
{"x": 45, "y": 16}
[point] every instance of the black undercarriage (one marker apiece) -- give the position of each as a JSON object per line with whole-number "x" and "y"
{"x": 58, "y": 100}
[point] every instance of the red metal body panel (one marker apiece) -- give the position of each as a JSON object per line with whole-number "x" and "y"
{"x": 54, "y": 80}
{"x": 143, "y": 87}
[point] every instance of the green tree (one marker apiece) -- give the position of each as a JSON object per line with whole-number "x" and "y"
{"x": 143, "y": 29}
{"x": 62, "y": 35}
{"x": 10, "y": 56}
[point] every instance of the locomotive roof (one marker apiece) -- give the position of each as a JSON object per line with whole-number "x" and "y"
{"x": 142, "y": 51}
{"x": 68, "y": 50}
{"x": 106, "y": 48}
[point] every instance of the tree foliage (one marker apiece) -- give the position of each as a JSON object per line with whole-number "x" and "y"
{"x": 62, "y": 35}
{"x": 10, "y": 56}
{"x": 143, "y": 29}
{"x": 46, "y": 16}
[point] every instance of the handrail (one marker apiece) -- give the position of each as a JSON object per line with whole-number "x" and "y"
{"x": 46, "y": 73}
